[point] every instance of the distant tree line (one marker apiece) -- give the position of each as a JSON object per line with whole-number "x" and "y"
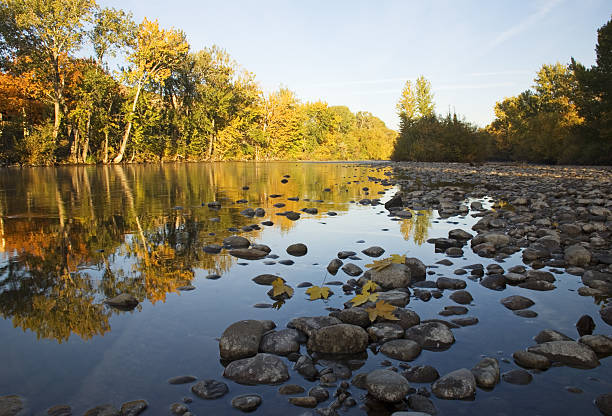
{"x": 565, "y": 118}
{"x": 169, "y": 103}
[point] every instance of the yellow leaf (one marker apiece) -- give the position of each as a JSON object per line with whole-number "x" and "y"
{"x": 370, "y": 286}
{"x": 382, "y": 310}
{"x": 396, "y": 258}
{"x": 317, "y": 292}
{"x": 379, "y": 265}
{"x": 364, "y": 297}
{"x": 278, "y": 304}
{"x": 280, "y": 287}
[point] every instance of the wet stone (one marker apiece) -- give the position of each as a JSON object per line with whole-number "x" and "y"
{"x": 103, "y": 410}
{"x": 585, "y": 325}
{"x": 462, "y": 297}
{"x": 210, "y": 389}
{"x": 517, "y": 302}
{"x": 304, "y": 401}
{"x": 10, "y": 405}
{"x": 604, "y": 403}
{"x": 352, "y": 269}
{"x": 319, "y": 393}
{"x": 525, "y": 313}
{"x": 449, "y": 283}
{"x": 181, "y": 380}
{"x": 486, "y": 373}
{"x": 178, "y": 409}
{"x": 518, "y": 376}
{"x": 401, "y": 349}
{"x": 58, "y": 410}
{"x": 260, "y": 369}
{"x": 297, "y": 249}
{"x": 420, "y": 403}
{"x": 570, "y": 353}
{"x": 458, "y": 384}
{"x": 466, "y": 321}
{"x": 134, "y": 407}
{"x": 289, "y": 389}
{"x": 387, "y": 386}
{"x": 374, "y": 251}
{"x": 246, "y": 402}
{"x": 431, "y": 336}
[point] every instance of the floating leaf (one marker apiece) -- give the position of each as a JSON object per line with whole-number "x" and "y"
{"x": 382, "y": 310}
{"x": 396, "y": 258}
{"x": 278, "y": 304}
{"x": 317, "y": 292}
{"x": 370, "y": 286}
{"x": 280, "y": 287}
{"x": 379, "y": 265}
{"x": 364, "y": 297}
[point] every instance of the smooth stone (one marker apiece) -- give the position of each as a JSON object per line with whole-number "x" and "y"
{"x": 374, "y": 251}
{"x": 458, "y": 384}
{"x": 407, "y": 318}
{"x": 539, "y": 285}
{"x": 525, "y": 313}
{"x": 179, "y": 409}
{"x": 606, "y": 314}
{"x": 401, "y": 349}
{"x": 212, "y": 249}
{"x": 261, "y": 247}
{"x": 530, "y": 360}
{"x": 418, "y": 270}
{"x": 248, "y": 253}
{"x": 517, "y": 302}
{"x": 334, "y": 266}
{"x": 387, "y": 386}
{"x": 420, "y": 404}
{"x": 494, "y": 282}
{"x": 134, "y": 407}
{"x": 460, "y": 235}
{"x": 465, "y": 321}
{"x": 462, "y": 297}
{"x": 319, "y": 393}
{"x": 546, "y": 335}
{"x": 577, "y": 255}
{"x": 518, "y": 376}
{"x": 10, "y": 405}
{"x": 385, "y": 331}
{"x": 103, "y": 410}
{"x": 241, "y": 339}
{"x": 450, "y": 283}
{"x": 124, "y": 301}
{"x": 338, "y": 339}
{"x": 515, "y": 278}
{"x": 391, "y": 277}
{"x": 431, "y": 336}
{"x": 310, "y": 324}
{"x": 297, "y": 249}
{"x": 266, "y": 279}
{"x": 353, "y": 316}
{"x": 352, "y": 269}
{"x": 486, "y": 373}
{"x": 181, "y": 380}
{"x": 304, "y": 401}
{"x": 246, "y": 402}
{"x": 260, "y": 369}
{"x": 58, "y": 410}
{"x": 289, "y": 389}
{"x": 209, "y": 389}
{"x": 397, "y": 298}
{"x": 570, "y": 353}
{"x": 604, "y": 404}
{"x": 601, "y": 344}
{"x": 282, "y": 342}
{"x": 305, "y": 366}
{"x": 453, "y": 310}
{"x": 585, "y": 325}
{"x": 236, "y": 241}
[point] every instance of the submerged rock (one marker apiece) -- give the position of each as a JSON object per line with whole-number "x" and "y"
{"x": 260, "y": 369}
{"x": 570, "y": 353}
{"x": 387, "y": 386}
{"x": 210, "y": 389}
{"x": 124, "y": 301}
{"x": 241, "y": 339}
{"x": 486, "y": 373}
{"x": 246, "y": 402}
{"x": 401, "y": 349}
{"x": 431, "y": 336}
{"x": 459, "y": 384}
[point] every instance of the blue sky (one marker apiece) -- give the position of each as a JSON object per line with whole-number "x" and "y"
{"x": 360, "y": 53}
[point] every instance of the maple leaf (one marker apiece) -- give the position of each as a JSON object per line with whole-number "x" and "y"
{"x": 278, "y": 304}
{"x": 382, "y": 310}
{"x": 364, "y": 297}
{"x": 396, "y": 258}
{"x": 317, "y": 292}
{"x": 279, "y": 287}
{"x": 379, "y": 265}
{"x": 370, "y": 286}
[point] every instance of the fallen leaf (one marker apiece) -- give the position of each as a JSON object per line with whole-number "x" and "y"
{"x": 370, "y": 286}
{"x": 364, "y": 297}
{"x": 278, "y": 304}
{"x": 317, "y": 292}
{"x": 379, "y": 265}
{"x": 279, "y": 287}
{"x": 382, "y": 310}
{"x": 396, "y": 258}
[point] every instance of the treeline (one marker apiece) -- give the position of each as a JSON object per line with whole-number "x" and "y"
{"x": 565, "y": 118}
{"x": 169, "y": 103}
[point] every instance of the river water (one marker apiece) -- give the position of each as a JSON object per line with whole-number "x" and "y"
{"x": 70, "y": 237}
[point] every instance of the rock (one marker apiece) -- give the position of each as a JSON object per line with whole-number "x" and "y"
{"x": 236, "y": 241}
{"x": 293, "y": 216}
{"x": 604, "y": 404}
{"x": 248, "y": 253}
{"x": 518, "y": 376}
{"x": 124, "y": 301}
{"x": 486, "y": 373}
{"x": 209, "y": 389}
{"x": 261, "y": 247}
{"x": 459, "y": 235}
{"x": 550, "y": 335}
{"x": 212, "y": 249}
{"x": 260, "y": 369}
{"x": 387, "y": 386}
{"x": 462, "y": 297}
{"x": 465, "y": 321}
{"x": 417, "y": 268}
{"x": 246, "y": 402}
{"x": 570, "y": 353}
{"x": 517, "y": 302}
{"x": 10, "y": 405}
{"x": 103, "y": 410}
{"x": 345, "y": 254}
{"x": 598, "y": 280}
{"x": 606, "y": 314}
{"x": 353, "y": 316}
{"x": 459, "y": 384}
{"x": 297, "y": 250}
{"x": 374, "y": 251}
{"x": 241, "y": 339}
{"x": 514, "y": 278}
{"x": 540, "y": 275}
{"x": 431, "y": 336}
{"x": 304, "y": 401}
{"x": 58, "y": 410}
{"x": 282, "y": 342}
{"x": 352, "y": 269}
{"x": 334, "y": 266}
{"x": 395, "y": 297}
{"x": 577, "y": 255}
{"x": 526, "y": 313}
{"x": 266, "y": 279}
{"x": 453, "y": 252}
{"x": 385, "y": 331}
{"x": 339, "y": 339}
{"x": 449, "y": 283}
{"x": 453, "y": 310}
{"x": 585, "y": 325}
{"x": 401, "y": 349}
{"x": 421, "y": 374}
{"x": 179, "y": 409}
{"x": 391, "y": 277}
{"x": 421, "y": 404}
{"x": 260, "y": 212}
{"x": 395, "y": 201}
{"x": 309, "y": 325}
{"x": 134, "y": 407}
{"x": 289, "y": 389}
{"x": 319, "y": 393}
{"x": 407, "y": 318}
{"x": 530, "y": 360}
{"x": 601, "y": 344}
{"x": 494, "y": 282}
{"x": 182, "y": 380}
{"x": 539, "y": 285}
{"x": 305, "y": 367}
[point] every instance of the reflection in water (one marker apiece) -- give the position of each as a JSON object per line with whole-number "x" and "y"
{"x": 417, "y": 226}
{"x": 71, "y": 237}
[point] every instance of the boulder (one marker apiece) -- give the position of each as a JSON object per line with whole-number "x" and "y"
{"x": 260, "y": 369}
{"x": 387, "y": 386}
{"x": 459, "y": 384}
{"x": 241, "y": 339}
{"x": 339, "y": 339}
{"x": 570, "y": 353}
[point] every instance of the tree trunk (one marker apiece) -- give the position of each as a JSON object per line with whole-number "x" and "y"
{"x": 211, "y": 141}
{"x": 86, "y": 144}
{"x": 74, "y": 149}
{"x": 56, "y": 121}
{"x": 105, "y": 147}
{"x": 126, "y": 135}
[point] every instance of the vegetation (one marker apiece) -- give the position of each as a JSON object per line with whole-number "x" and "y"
{"x": 167, "y": 104}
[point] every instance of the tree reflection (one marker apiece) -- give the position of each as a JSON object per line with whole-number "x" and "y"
{"x": 417, "y": 226}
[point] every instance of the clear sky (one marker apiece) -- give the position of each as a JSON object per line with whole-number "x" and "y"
{"x": 360, "y": 53}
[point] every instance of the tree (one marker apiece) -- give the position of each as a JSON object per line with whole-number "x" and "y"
{"x": 406, "y": 106}
{"x": 157, "y": 52}
{"x": 416, "y": 101}
{"x": 57, "y": 28}
{"x": 113, "y": 29}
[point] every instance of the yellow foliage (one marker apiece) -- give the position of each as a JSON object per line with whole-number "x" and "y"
{"x": 364, "y": 297}
{"x": 383, "y": 310}
{"x": 379, "y": 265}
{"x": 281, "y": 288}
{"x": 317, "y": 292}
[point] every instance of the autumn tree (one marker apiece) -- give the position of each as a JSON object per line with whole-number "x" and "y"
{"x": 157, "y": 52}
{"x": 416, "y": 101}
